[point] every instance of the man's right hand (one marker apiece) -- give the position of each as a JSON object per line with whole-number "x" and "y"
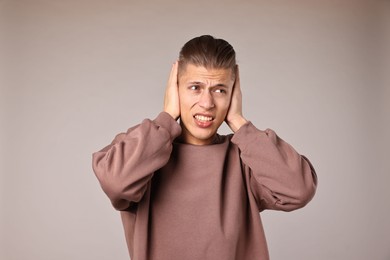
{"x": 171, "y": 99}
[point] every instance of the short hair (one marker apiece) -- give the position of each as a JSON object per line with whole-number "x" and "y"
{"x": 208, "y": 52}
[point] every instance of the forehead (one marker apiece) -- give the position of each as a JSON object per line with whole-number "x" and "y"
{"x": 199, "y": 73}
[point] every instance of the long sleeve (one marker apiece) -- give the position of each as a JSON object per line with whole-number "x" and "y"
{"x": 125, "y": 167}
{"x": 280, "y": 178}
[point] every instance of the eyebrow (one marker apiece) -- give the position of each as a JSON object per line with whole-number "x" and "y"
{"x": 201, "y": 83}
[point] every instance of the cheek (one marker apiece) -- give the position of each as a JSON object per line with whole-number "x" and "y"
{"x": 182, "y": 97}
{"x": 186, "y": 100}
{"x": 185, "y": 103}
{"x": 223, "y": 108}
{"x": 224, "y": 104}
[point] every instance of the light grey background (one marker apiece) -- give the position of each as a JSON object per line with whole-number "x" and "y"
{"x": 75, "y": 73}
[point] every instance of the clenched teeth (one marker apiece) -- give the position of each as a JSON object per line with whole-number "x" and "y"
{"x": 203, "y": 118}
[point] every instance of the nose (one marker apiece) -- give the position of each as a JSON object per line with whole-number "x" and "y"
{"x": 206, "y": 100}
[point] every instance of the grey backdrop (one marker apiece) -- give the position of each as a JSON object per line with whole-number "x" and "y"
{"x": 75, "y": 73}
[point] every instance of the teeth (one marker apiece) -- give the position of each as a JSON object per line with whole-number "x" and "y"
{"x": 203, "y": 118}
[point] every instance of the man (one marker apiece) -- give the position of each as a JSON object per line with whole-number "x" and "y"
{"x": 184, "y": 191}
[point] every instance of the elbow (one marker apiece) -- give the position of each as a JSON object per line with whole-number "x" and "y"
{"x": 304, "y": 196}
{"x": 120, "y": 194}
{"x": 298, "y": 196}
{"x": 307, "y": 189}
{"x": 300, "y": 200}
{"x": 120, "y": 197}
{"x": 120, "y": 187}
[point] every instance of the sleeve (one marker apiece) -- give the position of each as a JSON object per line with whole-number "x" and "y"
{"x": 125, "y": 167}
{"x": 279, "y": 177}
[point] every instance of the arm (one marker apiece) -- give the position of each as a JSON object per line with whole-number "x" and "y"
{"x": 125, "y": 167}
{"x": 280, "y": 178}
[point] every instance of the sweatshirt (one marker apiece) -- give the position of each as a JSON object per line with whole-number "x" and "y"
{"x": 182, "y": 201}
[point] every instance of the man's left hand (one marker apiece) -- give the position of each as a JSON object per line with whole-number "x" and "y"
{"x": 234, "y": 117}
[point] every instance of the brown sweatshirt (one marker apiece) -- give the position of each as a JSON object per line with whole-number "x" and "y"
{"x": 181, "y": 201}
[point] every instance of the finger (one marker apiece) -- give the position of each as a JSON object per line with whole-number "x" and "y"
{"x": 173, "y": 74}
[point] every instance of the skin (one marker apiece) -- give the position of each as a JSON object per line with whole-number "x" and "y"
{"x": 204, "y": 99}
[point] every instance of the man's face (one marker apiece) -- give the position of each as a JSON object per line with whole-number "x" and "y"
{"x": 205, "y": 96}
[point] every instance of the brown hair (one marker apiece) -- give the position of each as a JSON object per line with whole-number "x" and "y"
{"x": 208, "y": 52}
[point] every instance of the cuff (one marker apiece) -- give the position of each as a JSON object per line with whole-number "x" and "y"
{"x": 167, "y": 122}
{"x": 246, "y": 135}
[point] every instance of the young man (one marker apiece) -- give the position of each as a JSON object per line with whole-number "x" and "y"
{"x": 184, "y": 191}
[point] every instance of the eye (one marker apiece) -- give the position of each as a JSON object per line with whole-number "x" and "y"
{"x": 219, "y": 90}
{"x": 194, "y": 87}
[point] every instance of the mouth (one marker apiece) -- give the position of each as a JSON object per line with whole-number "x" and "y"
{"x": 203, "y": 118}
{"x": 203, "y": 121}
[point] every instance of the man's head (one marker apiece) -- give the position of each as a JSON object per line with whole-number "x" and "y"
{"x": 206, "y": 76}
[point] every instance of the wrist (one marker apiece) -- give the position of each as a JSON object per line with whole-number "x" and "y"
{"x": 237, "y": 123}
{"x": 174, "y": 115}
